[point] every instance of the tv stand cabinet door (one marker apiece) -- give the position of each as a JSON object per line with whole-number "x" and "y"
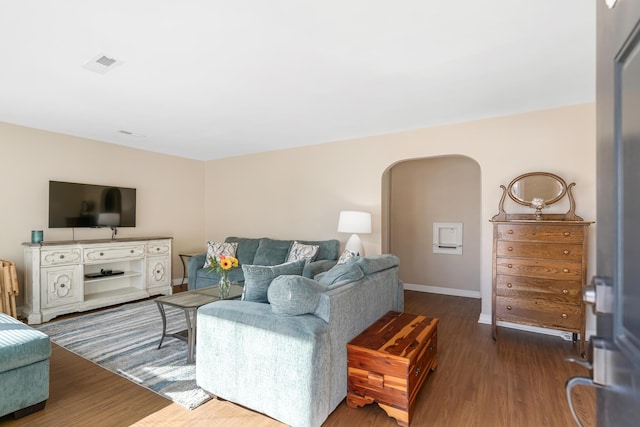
{"x": 61, "y": 285}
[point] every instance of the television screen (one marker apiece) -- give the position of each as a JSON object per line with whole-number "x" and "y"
{"x": 86, "y": 205}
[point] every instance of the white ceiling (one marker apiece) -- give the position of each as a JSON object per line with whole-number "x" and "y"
{"x": 217, "y": 78}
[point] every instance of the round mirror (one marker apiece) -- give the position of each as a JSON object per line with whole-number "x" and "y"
{"x": 537, "y": 185}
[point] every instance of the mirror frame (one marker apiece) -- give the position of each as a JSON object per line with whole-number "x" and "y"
{"x": 547, "y": 174}
{"x": 566, "y": 191}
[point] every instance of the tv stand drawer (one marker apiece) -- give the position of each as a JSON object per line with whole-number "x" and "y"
{"x": 109, "y": 253}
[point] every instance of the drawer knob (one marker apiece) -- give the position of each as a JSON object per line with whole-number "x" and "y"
{"x": 565, "y": 291}
{"x": 508, "y": 307}
{"x": 509, "y": 265}
{"x": 510, "y": 231}
{"x": 510, "y": 249}
{"x": 566, "y": 234}
{"x": 101, "y": 253}
{"x": 157, "y": 249}
{"x": 565, "y": 270}
{"x": 566, "y": 252}
{"x": 131, "y": 251}
{"x": 509, "y": 285}
{"x": 565, "y": 315}
{"x": 418, "y": 369}
{"x": 61, "y": 256}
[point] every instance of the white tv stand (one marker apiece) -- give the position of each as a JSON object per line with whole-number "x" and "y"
{"x": 55, "y": 281}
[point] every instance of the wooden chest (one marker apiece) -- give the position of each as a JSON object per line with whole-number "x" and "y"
{"x": 539, "y": 268}
{"x": 389, "y": 361}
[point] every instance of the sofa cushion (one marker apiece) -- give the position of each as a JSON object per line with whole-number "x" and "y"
{"x": 271, "y": 252}
{"x": 246, "y": 249}
{"x": 214, "y": 250}
{"x": 257, "y": 278}
{"x": 346, "y": 256}
{"x": 374, "y": 263}
{"x": 294, "y": 295}
{"x": 327, "y": 249}
{"x": 339, "y": 273}
{"x": 300, "y": 251}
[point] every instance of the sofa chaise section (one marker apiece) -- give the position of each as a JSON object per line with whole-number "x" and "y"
{"x": 293, "y": 367}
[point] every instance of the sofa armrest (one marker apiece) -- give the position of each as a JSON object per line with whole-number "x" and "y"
{"x": 195, "y": 263}
{"x": 317, "y": 267}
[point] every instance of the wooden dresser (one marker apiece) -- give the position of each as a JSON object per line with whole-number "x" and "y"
{"x": 540, "y": 260}
{"x": 539, "y": 268}
{"x": 389, "y": 361}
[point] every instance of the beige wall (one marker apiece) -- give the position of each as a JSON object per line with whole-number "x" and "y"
{"x": 427, "y": 191}
{"x": 169, "y": 189}
{"x": 297, "y": 193}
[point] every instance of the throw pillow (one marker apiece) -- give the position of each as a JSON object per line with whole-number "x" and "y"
{"x": 346, "y": 256}
{"x": 257, "y": 278}
{"x": 339, "y": 273}
{"x": 214, "y": 250}
{"x": 294, "y": 295}
{"x": 301, "y": 251}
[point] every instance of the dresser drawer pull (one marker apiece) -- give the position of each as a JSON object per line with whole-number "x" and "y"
{"x": 101, "y": 253}
{"x": 508, "y": 307}
{"x": 566, "y": 252}
{"x": 509, "y": 285}
{"x": 510, "y": 231}
{"x": 565, "y": 270}
{"x": 510, "y": 249}
{"x": 566, "y": 234}
{"x": 61, "y": 256}
{"x": 565, "y": 315}
{"x": 509, "y": 265}
{"x": 131, "y": 251}
{"x": 418, "y": 369}
{"x": 565, "y": 291}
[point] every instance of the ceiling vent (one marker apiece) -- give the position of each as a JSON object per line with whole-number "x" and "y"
{"x": 101, "y": 64}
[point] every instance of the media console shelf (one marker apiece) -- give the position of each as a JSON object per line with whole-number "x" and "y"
{"x": 55, "y": 281}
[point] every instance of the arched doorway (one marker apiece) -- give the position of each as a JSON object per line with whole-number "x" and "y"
{"x": 418, "y": 193}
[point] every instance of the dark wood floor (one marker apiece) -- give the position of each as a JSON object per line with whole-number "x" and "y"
{"x": 516, "y": 381}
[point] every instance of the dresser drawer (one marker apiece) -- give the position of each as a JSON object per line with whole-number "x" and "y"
{"x": 158, "y": 248}
{"x": 113, "y": 253}
{"x": 561, "y": 291}
{"x": 539, "y": 312}
{"x": 60, "y": 256}
{"x": 543, "y": 268}
{"x": 557, "y": 251}
{"x": 541, "y": 233}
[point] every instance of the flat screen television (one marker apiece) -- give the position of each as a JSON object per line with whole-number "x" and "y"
{"x": 86, "y": 205}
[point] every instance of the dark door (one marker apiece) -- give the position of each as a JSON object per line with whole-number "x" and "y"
{"x": 616, "y": 348}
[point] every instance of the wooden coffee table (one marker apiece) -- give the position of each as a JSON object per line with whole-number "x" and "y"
{"x": 389, "y": 361}
{"x": 189, "y": 302}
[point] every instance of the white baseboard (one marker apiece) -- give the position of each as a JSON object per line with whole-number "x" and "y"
{"x": 443, "y": 291}
{"x": 567, "y": 336}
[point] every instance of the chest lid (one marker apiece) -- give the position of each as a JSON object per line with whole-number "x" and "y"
{"x": 397, "y": 334}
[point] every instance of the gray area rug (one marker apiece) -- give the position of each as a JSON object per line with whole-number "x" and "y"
{"x": 125, "y": 341}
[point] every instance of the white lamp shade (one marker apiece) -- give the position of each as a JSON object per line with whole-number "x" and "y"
{"x": 354, "y": 222}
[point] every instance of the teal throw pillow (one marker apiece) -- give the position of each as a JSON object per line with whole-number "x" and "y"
{"x": 340, "y": 273}
{"x": 294, "y": 295}
{"x": 257, "y": 278}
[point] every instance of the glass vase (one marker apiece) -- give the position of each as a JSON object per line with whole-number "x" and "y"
{"x": 225, "y": 285}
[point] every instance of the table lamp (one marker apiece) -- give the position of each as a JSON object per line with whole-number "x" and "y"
{"x": 354, "y": 222}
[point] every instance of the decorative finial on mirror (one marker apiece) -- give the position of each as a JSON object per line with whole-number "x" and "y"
{"x": 538, "y": 204}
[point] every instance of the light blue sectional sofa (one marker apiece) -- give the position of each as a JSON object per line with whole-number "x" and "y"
{"x": 288, "y": 358}
{"x": 261, "y": 251}
{"x": 24, "y": 368}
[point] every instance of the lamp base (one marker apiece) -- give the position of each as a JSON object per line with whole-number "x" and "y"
{"x": 355, "y": 244}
